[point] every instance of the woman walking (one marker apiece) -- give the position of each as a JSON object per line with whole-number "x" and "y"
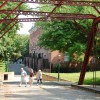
{"x": 30, "y": 76}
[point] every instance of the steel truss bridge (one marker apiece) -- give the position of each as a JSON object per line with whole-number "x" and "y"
{"x": 52, "y": 16}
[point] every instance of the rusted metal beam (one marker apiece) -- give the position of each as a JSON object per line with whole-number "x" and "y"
{"x": 89, "y": 47}
{"x": 11, "y": 12}
{"x": 66, "y": 2}
{"x": 81, "y": 27}
{"x": 44, "y": 14}
{"x": 38, "y": 13}
{"x": 4, "y": 4}
{"x": 56, "y": 6}
{"x": 8, "y": 30}
{"x": 12, "y": 20}
{"x": 96, "y": 9}
{"x": 52, "y": 18}
{"x": 82, "y": 3}
{"x": 27, "y": 19}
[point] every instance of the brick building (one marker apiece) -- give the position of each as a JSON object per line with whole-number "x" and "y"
{"x": 39, "y": 57}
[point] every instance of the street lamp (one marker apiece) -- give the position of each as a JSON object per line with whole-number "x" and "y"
{"x": 59, "y": 67}
{"x": 7, "y": 62}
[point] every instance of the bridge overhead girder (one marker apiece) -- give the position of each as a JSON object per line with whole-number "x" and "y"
{"x": 42, "y": 16}
{"x": 65, "y": 2}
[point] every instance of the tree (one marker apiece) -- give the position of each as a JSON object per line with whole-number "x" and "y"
{"x": 6, "y": 42}
{"x": 66, "y": 35}
{"x": 20, "y": 46}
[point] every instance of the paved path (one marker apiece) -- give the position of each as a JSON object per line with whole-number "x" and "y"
{"x": 46, "y": 91}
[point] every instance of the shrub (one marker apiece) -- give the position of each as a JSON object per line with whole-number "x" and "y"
{"x": 2, "y": 66}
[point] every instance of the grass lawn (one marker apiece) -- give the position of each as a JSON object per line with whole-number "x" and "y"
{"x": 74, "y": 77}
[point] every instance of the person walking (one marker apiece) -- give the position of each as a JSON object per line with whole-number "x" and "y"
{"x": 23, "y": 77}
{"x": 39, "y": 77}
{"x": 31, "y": 76}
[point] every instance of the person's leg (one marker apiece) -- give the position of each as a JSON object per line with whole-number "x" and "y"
{"x": 41, "y": 81}
{"x": 37, "y": 81}
{"x": 21, "y": 80}
{"x": 30, "y": 81}
{"x": 25, "y": 84}
{"x": 25, "y": 81}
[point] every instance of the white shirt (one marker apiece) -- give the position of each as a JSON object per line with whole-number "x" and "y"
{"x": 23, "y": 73}
{"x": 40, "y": 75}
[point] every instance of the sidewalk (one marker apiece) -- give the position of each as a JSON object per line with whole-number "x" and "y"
{"x": 62, "y": 83}
{"x": 90, "y": 88}
{"x": 47, "y": 91}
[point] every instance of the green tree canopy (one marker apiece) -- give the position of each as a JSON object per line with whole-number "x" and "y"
{"x": 8, "y": 43}
{"x": 66, "y": 36}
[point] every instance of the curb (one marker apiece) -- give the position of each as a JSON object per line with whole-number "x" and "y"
{"x": 91, "y": 89}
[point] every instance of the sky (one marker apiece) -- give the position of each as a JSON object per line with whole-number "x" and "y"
{"x": 26, "y": 25}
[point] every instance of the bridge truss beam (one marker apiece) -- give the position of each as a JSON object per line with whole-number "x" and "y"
{"x": 65, "y": 2}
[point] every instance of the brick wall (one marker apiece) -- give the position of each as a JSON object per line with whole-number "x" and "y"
{"x": 52, "y": 57}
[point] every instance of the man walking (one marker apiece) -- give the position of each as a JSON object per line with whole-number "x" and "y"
{"x": 23, "y": 77}
{"x": 39, "y": 78}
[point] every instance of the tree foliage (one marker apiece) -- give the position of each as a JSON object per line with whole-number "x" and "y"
{"x": 20, "y": 46}
{"x": 11, "y": 43}
{"x": 67, "y": 36}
